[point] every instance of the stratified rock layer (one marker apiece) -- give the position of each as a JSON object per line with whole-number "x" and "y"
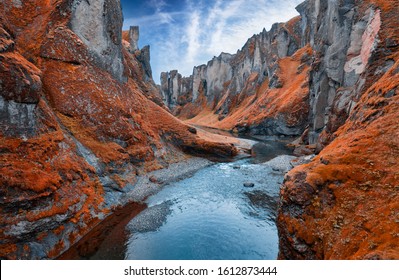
{"x": 79, "y": 122}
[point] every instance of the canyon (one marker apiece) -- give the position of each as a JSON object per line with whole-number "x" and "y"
{"x": 82, "y": 121}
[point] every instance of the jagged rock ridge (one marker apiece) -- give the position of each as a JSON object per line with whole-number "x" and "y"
{"x": 230, "y": 81}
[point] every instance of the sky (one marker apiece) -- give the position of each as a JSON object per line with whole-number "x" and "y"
{"x": 186, "y": 33}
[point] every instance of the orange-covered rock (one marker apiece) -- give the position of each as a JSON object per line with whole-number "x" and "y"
{"x": 77, "y": 123}
{"x": 345, "y": 203}
{"x": 270, "y": 111}
{"x": 19, "y": 79}
{"x": 6, "y": 41}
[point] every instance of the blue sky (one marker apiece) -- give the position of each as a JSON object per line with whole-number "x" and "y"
{"x": 186, "y": 33}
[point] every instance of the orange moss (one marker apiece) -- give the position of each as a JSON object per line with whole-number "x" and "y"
{"x": 251, "y": 48}
{"x": 59, "y": 247}
{"x": 34, "y": 16}
{"x": 107, "y": 151}
{"x": 290, "y": 101}
{"x": 119, "y": 180}
{"x": 385, "y": 5}
{"x": 8, "y": 251}
{"x": 290, "y": 26}
{"x": 352, "y": 205}
{"x": 125, "y": 35}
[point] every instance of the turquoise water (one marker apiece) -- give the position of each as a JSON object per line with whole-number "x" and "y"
{"x": 210, "y": 216}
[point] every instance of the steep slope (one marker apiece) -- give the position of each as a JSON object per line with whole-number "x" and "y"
{"x": 344, "y": 204}
{"x": 77, "y": 123}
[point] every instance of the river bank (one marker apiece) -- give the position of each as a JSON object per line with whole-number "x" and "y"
{"x": 131, "y": 204}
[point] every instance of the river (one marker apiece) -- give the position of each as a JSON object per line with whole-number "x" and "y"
{"x": 224, "y": 211}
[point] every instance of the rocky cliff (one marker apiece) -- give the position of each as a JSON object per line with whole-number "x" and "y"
{"x": 329, "y": 76}
{"x": 175, "y": 89}
{"x": 344, "y": 204}
{"x": 79, "y": 122}
{"x": 139, "y": 64}
{"x": 229, "y": 84}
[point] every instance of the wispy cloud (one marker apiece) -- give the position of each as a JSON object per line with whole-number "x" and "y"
{"x": 219, "y": 21}
{"x": 158, "y": 17}
{"x": 193, "y": 32}
{"x": 203, "y": 29}
{"x": 156, "y": 4}
{"x": 153, "y": 20}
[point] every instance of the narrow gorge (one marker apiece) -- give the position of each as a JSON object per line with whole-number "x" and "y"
{"x": 86, "y": 132}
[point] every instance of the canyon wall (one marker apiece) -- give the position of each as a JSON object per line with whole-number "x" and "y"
{"x": 175, "y": 89}
{"x": 330, "y": 77}
{"x": 227, "y": 84}
{"x": 79, "y": 122}
{"x": 344, "y": 204}
{"x": 329, "y": 43}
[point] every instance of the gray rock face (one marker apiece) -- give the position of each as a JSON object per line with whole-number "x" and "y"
{"x": 175, "y": 89}
{"x": 23, "y": 88}
{"x": 20, "y": 91}
{"x": 212, "y": 77}
{"x": 276, "y": 126}
{"x": 134, "y": 38}
{"x": 17, "y": 119}
{"x": 6, "y": 41}
{"x": 170, "y": 87}
{"x": 144, "y": 57}
{"x": 99, "y": 25}
{"x": 343, "y": 41}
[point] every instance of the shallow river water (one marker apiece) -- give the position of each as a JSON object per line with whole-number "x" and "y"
{"x": 224, "y": 211}
{"x": 211, "y": 215}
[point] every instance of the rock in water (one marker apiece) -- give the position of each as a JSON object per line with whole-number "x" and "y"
{"x": 249, "y": 185}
